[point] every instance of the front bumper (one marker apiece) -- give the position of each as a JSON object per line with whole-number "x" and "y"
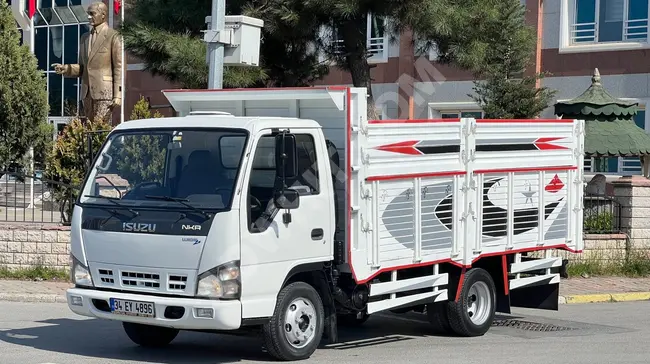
{"x": 226, "y": 314}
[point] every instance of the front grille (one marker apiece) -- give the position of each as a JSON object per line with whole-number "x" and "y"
{"x": 138, "y": 279}
{"x": 177, "y": 283}
{"x": 146, "y": 280}
{"x": 106, "y": 276}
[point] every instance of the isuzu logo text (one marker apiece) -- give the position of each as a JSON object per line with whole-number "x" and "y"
{"x": 138, "y": 227}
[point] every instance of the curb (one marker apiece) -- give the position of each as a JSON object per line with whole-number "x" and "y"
{"x": 605, "y": 297}
{"x": 33, "y": 298}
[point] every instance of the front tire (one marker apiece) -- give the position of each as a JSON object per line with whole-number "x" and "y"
{"x": 149, "y": 336}
{"x": 296, "y": 328}
{"x": 473, "y": 313}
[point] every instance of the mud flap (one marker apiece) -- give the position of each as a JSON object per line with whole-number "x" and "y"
{"x": 544, "y": 297}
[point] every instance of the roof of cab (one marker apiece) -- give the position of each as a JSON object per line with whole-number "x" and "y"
{"x": 219, "y": 121}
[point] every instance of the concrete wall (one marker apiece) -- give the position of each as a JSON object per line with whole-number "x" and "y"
{"x": 25, "y": 245}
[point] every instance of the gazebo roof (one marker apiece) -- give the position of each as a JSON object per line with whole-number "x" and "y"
{"x": 610, "y": 129}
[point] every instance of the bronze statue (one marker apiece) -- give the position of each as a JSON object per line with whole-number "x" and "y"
{"x": 100, "y": 66}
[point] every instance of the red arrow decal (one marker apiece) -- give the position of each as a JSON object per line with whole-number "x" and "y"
{"x": 555, "y": 185}
{"x": 545, "y": 144}
{"x": 407, "y": 147}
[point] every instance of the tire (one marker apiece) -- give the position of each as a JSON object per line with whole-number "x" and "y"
{"x": 295, "y": 304}
{"x": 474, "y": 312}
{"x": 351, "y": 319}
{"x": 439, "y": 318}
{"x": 149, "y": 336}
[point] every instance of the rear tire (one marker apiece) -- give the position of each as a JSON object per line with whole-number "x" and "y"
{"x": 438, "y": 317}
{"x": 474, "y": 311}
{"x": 296, "y": 328}
{"x": 149, "y": 336}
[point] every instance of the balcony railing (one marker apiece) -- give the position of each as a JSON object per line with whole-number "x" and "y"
{"x": 584, "y": 32}
{"x": 635, "y": 30}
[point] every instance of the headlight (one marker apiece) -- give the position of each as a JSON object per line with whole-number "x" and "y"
{"x": 79, "y": 273}
{"x": 222, "y": 282}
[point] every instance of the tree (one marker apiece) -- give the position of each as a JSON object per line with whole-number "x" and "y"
{"x": 167, "y": 36}
{"x": 452, "y": 26}
{"x": 23, "y": 97}
{"x": 505, "y": 91}
{"x": 68, "y": 162}
{"x": 142, "y": 157}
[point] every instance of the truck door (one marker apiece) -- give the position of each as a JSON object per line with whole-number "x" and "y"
{"x": 270, "y": 247}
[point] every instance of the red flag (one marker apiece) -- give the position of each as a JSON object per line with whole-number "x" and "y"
{"x": 116, "y": 6}
{"x": 32, "y": 8}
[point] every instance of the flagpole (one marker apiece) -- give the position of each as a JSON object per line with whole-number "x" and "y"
{"x": 124, "y": 68}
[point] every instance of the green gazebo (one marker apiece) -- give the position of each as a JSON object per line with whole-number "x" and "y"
{"x": 610, "y": 130}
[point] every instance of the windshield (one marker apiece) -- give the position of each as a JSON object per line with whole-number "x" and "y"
{"x": 170, "y": 168}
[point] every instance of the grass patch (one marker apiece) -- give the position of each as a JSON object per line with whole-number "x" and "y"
{"x": 636, "y": 264}
{"x": 36, "y": 273}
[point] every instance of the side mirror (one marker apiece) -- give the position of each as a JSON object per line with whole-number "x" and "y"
{"x": 286, "y": 199}
{"x": 286, "y": 161}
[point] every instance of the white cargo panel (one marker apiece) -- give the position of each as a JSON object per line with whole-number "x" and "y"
{"x": 455, "y": 190}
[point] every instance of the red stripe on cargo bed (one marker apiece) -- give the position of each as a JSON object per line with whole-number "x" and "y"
{"x": 530, "y": 169}
{"x": 506, "y": 281}
{"x": 348, "y": 179}
{"x": 394, "y": 177}
{"x": 413, "y": 121}
{"x": 448, "y": 260}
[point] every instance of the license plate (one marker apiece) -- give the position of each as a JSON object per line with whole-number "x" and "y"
{"x": 132, "y": 308}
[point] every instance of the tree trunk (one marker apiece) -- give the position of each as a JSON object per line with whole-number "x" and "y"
{"x": 355, "y": 41}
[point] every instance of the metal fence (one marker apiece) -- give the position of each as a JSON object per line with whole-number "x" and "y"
{"x": 602, "y": 214}
{"x": 29, "y": 198}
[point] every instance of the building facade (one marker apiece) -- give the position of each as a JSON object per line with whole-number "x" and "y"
{"x": 574, "y": 37}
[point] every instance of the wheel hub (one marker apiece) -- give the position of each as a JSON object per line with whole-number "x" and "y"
{"x": 300, "y": 322}
{"x": 479, "y": 304}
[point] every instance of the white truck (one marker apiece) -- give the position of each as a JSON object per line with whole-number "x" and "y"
{"x": 287, "y": 212}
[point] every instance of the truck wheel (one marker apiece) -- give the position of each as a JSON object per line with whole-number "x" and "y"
{"x": 438, "y": 317}
{"x": 473, "y": 313}
{"x": 149, "y": 336}
{"x": 295, "y": 330}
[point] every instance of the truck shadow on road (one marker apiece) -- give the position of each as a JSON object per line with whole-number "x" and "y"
{"x": 93, "y": 338}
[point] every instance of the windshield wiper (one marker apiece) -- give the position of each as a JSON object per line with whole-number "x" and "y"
{"x": 182, "y": 201}
{"x": 114, "y": 201}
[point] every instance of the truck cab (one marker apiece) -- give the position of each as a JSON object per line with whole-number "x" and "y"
{"x": 177, "y": 215}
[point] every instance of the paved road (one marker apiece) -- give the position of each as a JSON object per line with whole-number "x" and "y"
{"x": 601, "y": 334}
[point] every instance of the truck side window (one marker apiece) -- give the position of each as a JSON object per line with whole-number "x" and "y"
{"x": 264, "y": 182}
{"x": 307, "y": 182}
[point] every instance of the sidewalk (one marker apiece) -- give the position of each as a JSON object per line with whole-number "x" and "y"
{"x": 575, "y": 290}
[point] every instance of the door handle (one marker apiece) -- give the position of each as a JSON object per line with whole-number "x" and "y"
{"x": 316, "y": 234}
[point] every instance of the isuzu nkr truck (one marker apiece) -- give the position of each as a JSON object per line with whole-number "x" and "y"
{"x": 288, "y": 213}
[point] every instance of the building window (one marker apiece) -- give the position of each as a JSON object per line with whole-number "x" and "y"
{"x": 455, "y": 110}
{"x": 456, "y": 114}
{"x": 376, "y": 37}
{"x": 58, "y": 26}
{"x": 604, "y": 24}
